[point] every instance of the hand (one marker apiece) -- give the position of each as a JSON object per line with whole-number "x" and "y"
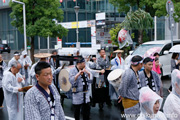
{"x": 20, "y": 79}
{"x": 0, "y": 66}
{"x": 20, "y": 90}
{"x": 102, "y": 71}
{"x": 120, "y": 99}
{"x": 104, "y": 57}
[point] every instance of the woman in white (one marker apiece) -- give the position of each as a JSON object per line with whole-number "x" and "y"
{"x": 118, "y": 61}
{"x": 150, "y": 103}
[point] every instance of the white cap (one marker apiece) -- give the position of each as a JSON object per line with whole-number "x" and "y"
{"x": 24, "y": 52}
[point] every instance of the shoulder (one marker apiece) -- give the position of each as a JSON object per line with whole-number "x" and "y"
{"x": 31, "y": 93}
{"x": 161, "y": 115}
{"x": 154, "y": 73}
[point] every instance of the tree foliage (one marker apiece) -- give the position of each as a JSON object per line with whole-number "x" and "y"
{"x": 39, "y": 19}
{"x": 124, "y": 5}
{"x": 138, "y": 20}
{"x": 160, "y": 6}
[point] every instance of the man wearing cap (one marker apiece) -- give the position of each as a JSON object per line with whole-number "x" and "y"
{"x": 12, "y": 86}
{"x": 103, "y": 60}
{"x": 129, "y": 88}
{"x": 17, "y": 58}
{"x": 42, "y": 57}
{"x": 80, "y": 80}
{"x": 26, "y": 64}
{"x": 148, "y": 77}
{"x": 118, "y": 61}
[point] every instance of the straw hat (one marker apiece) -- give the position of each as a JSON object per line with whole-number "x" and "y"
{"x": 42, "y": 55}
{"x": 64, "y": 83}
{"x": 115, "y": 74}
{"x": 118, "y": 51}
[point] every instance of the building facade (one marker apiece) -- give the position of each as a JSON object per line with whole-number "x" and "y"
{"x": 88, "y": 9}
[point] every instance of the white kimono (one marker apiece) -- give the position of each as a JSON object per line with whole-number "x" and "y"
{"x": 117, "y": 63}
{"x": 13, "y": 98}
{"x": 25, "y": 61}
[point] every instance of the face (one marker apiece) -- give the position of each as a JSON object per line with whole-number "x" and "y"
{"x": 177, "y": 56}
{"x": 102, "y": 53}
{"x": 82, "y": 65}
{"x": 45, "y": 78}
{"x": 148, "y": 66}
{"x": 17, "y": 57}
{"x": 119, "y": 54}
{"x": 156, "y": 107}
{"x": 157, "y": 56}
{"x": 157, "y": 63}
{"x": 140, "y": 65}
{"x": 16, "y": 69}
{"x": 54, "y": 53}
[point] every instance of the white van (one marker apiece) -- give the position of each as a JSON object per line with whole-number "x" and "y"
{"x": 165, "y": 56}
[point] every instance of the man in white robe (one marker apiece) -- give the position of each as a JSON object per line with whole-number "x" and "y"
{"x": 26, "y": 61}
{"x": 12, "y": 86}
{"x": 172, "y": 104}
{"x": 17, "y": 58}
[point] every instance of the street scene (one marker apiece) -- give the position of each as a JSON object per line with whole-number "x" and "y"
{"x": 89, "y": 60}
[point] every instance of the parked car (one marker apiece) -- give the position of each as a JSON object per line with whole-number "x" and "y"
{"x": 4, "y": 48}
{"x": 165, "y": 56}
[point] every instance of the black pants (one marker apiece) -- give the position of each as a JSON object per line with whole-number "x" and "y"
{"x": 85, "y": 111}
{"x": 1, "y": 96}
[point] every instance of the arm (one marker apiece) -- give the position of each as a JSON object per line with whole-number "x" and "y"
{"x": 4, "y": 66}
{"x": 7, "y": 84}
{"x": 73, "y": 76}
{"x": 124, "y": 83}
{"x": 31, "y": 107}
{"x": 29, "y": 62}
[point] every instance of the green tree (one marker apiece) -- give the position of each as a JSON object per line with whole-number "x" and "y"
{"x": 160, "y": 5}
{"x": 39, "y": 19}
{"x": 124, "y": 5}
{"x": 138, "y": 20}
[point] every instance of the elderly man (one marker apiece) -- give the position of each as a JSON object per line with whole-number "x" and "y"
{"x": 26, "y": 64}
{"x": 171, "y": 106}
{"x": 12, "y": 87}
{"x": 3, "y": 66}
{"x": 129, "y": 88}
{"x": 80, "y": 80}
{"x": 42, "y": 101}
{"x": 17, "y": 58}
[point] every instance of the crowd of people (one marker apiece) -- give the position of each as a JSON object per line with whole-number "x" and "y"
{"x": 140, "y": 91}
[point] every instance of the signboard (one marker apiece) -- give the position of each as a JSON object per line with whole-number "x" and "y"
{"x": 101, "y": 16}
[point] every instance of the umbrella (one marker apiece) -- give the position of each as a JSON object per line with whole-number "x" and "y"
{"x": 175, "y": 49}
{"x": 151, "y": 51}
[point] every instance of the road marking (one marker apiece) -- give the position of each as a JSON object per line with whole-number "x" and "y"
{"x": 69, "y": 118}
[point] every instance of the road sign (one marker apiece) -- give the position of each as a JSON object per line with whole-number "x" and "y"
{"x": 169, "y": 7}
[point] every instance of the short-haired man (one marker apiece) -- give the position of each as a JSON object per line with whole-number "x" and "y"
{"x": 42, "y": 101}
{"x": 148, "y": 77}
{"x": 12, "y": 87}
{"x": 80, "y": 80}
{"x": 103, "y": 60}
{"x": 129, "y": 88}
